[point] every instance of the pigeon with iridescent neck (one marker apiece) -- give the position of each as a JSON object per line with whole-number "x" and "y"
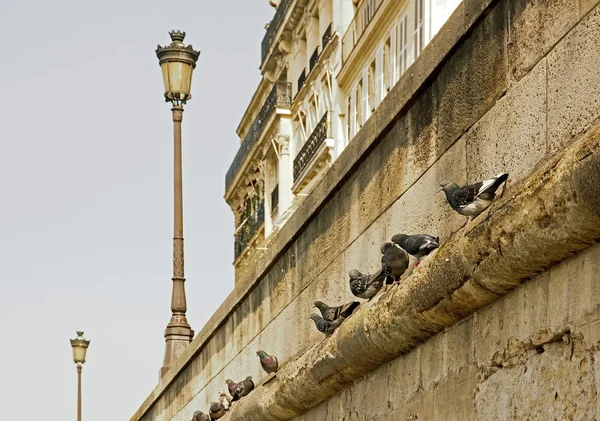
{"x": 268, "y": 362}
{"x": 325, "y": 326}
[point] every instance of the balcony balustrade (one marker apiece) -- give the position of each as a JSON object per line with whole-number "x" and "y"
{"x": 274, "y": 26}
{"x": 280, "y": 96}
{"x": 312, "y": 145}
{"x": 249, "y": 227}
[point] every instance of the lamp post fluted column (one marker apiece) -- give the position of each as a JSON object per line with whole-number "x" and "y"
{"x": 177, "y": 62}
{"x": 78, "y": 392}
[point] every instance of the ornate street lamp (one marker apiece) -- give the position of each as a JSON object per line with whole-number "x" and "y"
{"x": 177, "y": 62}
{"x": 79, "y": 346}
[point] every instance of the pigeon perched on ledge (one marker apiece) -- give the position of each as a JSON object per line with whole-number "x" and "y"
{"x": 224, "y": 400}
{"x": 332, "y": 313}
{"x": 268, "y": 362}
{"x": 244, "y": 387}
{"x": 200, "y": 416}
{"x": 473, "y": 199}
{"x": 365, "y": 286}
{"x": 216, "y": 411}
{"x": 418, "y": 245}
{"x": 325, "y": 326}
{"x": 394, "y": 262}
{"x": 232, "y": 387}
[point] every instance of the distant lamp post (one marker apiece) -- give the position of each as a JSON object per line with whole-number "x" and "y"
{"x": 177, "y": 62}
{"x": 79, "y": 346}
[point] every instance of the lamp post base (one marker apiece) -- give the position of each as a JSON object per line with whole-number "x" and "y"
{"x": 177, "y": 338}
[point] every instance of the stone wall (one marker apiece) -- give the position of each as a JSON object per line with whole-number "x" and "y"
{"x": 504, "y": 86}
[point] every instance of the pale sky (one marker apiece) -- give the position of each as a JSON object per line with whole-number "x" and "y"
{"x": 86, "y": 182}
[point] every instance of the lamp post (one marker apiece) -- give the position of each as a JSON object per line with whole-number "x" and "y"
{"x": 79, "y": 346}
{"x": 177, "y": 62}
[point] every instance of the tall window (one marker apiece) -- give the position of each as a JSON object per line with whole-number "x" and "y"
{"x": 358, "y": 107}
{"x": 419, "y": 27}
{"x": 387, "y": 67}
{"x": 402, "y": 54}
{"x": 371, "y": 81}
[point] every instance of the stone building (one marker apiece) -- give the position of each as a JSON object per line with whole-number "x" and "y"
{"x": 502, "y": 322}
{"x": 326, "y": 66}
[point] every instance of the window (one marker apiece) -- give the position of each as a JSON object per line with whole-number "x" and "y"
{"x": 402, "y": 55}
{"x": 358, "y": 107}
{"x": 348, "y": 123}
{"x": 387, "y": 67}
{"x": 371, "y": 80}
{"x": 419, "y": 27}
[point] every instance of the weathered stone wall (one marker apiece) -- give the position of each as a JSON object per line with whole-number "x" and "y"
{"x": 500, "y": 89}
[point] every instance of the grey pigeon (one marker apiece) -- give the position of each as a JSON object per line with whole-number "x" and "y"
{"x": 200, "y": 416}
{"x": 268, "y": 362}
{"x": 332, "y": 313}
{"x": 244, "y": 387}
{"x": 418, "y": 245}
{"x": 394, "y": 262}
{"x": 232, "y": 387}
{"x": 365, "y": 286}
{"x": 216, "y": 411}
{"x": 325, "y": 326}
{"x": 473, "y": 199}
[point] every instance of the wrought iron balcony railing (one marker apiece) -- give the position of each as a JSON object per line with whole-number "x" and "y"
{"x": 310, "y": 148}
{"x": 301, "y": 80}
{"x": 248, "y": 229}
{"x": 326, "y": 37}
{"x": 275, "y": 198}
{"x": 274, "y": 26}
{"x": 280, "y": 96}
{"x": 364, "y": 15}
{"x": 313, "y": 59}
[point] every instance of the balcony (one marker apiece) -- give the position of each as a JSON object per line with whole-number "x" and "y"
{"x": 364, "y": 15}
{"x": 249, "y": 227}
{"x": 274, "y": 198}
{"x": 280, "y": 96}
{"x": 301, "y": 80}
{"x": 327, "y": 35}
{"x": 316, "y": 150}
{"x": 313, "y": 60}
{"x": 274, "y": 26}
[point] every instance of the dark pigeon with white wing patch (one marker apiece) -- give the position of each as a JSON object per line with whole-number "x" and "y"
{"x": 418, "y": 245}
{"x": 365, "y": 286}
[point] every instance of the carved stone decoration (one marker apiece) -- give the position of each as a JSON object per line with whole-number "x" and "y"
{"x": 177, "y": 113}
{"x": 274, "y": 3}
{"x": 285, "y": 47}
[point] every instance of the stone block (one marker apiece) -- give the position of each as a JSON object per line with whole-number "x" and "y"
{"x": 586, "y": 5}
{"x": 574, "y": 83}
{"x": 432, "y": 362}
{"x": 364, "y": 253}
{"x": 454, "y": 402}
{"x": 549, "y": 386}
{"x": 473, "y": 77}
{"x": 458, "y": 357}
{"x": 511, "y": 136}
{"x": 404, "y": 379}
{"x": 423, "y": 208}
{"x": 535, "y": 27}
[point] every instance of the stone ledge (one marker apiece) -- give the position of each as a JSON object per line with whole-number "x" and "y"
{"x": 544, "y": 220}
{"x": 399, "y": 99}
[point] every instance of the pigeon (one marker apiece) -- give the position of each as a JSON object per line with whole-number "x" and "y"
{"x": 394, "y": 262}
{"x": 325, "y": 326}
{"x": 244, "y": 387}
{"x": 332, "y": 313}
{"x": 472, "y": 200}
{"x": 418, "y": 245}
{"x": 200, "y": 416}
{"x": 224, "y": 400}
{"x": 216, "y": 411}
{"x": 268, "y": 362}
{"x": 232, "y": 387}
{"x": 365, "y": 286}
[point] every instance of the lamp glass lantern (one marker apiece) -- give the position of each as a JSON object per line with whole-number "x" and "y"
{"x": 80, "y": 346}
{"x": 177, "y": 62}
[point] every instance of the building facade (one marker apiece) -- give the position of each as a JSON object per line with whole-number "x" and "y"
{"x": 326, "y": 67}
